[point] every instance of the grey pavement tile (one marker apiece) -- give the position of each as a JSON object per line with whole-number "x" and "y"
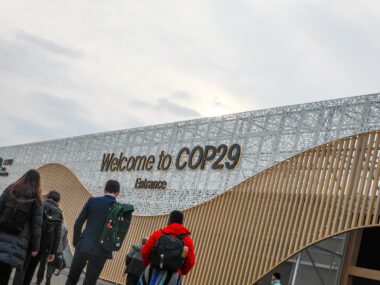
{"x": 61, "y": 279}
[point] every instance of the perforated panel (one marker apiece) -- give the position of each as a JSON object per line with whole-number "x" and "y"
{"x": 266, "y": 136}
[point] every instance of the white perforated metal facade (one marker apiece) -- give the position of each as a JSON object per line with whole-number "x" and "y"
{"x": 266, "y": 137}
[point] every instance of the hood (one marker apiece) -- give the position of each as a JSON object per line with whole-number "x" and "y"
{"x": 52, "y": 210}
{"x": 177, "y": 229}
{"x": 51, "y": 203}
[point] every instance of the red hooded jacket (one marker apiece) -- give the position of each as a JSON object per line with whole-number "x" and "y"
{"x": 177, "y": 229}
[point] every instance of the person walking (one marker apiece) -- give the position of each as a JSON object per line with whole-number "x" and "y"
{"x": 20, "y": 223}
{"x": 134, "y": 263}
{"x": 176, "y": 230}
{"x": 50, "y": 236}
{"x": 51, "y": 266}
{"x": 87, "y": 250}
{"x": 276, "y": 279}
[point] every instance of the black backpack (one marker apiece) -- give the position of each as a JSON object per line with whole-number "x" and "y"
{"x": 167, "y": 252}
{"x": 133, "y": 261}
{"x": 52, "y": 218}
{"x": 15, "y": 213}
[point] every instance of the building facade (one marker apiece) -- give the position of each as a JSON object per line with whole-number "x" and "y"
{"x": 263, "y": 137}
{"x": 254, "y": 163}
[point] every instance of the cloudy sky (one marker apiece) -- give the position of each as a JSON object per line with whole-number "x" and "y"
{"x": 76, "y": 67}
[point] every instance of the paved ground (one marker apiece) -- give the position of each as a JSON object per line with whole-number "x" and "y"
{"x": 61, "y": 279}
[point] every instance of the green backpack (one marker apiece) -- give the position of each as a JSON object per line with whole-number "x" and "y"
{"x": 116, "y": 226}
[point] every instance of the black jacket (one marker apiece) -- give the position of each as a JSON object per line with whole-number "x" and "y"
{"x": 94, "y": 213}
{"x": 13, "y": 247}
{"x": 51, "y": 227}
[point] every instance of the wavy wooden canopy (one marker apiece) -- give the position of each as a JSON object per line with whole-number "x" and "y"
{"x": 249, "y": 230}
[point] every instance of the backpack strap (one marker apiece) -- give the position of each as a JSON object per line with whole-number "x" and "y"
{"x": 144, "y": 275}
{"x": 150, "y": 274}
{"x": 143, "y": 280}
{"x": 108, "y": 212}
{"x": 181, "y": 237}
{"x": 168, "y": 278}
{"x": 110, "y": 209}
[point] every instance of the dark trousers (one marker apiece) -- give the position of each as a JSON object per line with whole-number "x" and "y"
{"x": 32, "y": 265}
{"x": 5, "y": 273}
{"x": 41, "y": 268}
{"x": 132, "y": 279}
{"x": 49, "y": 272}
{"x": 18, "y": 278}
{"x": 95, "y": 266}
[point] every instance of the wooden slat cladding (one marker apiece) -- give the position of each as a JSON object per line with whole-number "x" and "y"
{"x": 247, "y": 231}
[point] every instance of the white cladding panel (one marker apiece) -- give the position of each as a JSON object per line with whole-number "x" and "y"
{"x": 266, "y": 137}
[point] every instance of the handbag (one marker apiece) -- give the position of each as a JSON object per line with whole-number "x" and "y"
{"x": 59, "y": 264}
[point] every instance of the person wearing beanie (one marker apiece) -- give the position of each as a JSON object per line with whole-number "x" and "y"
{"x": 174, "y": 228}
{"x": 276, "y": 279}
{"x": 175, "y": 217}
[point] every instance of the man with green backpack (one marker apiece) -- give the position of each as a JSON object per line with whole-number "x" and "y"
{"x": 107, "y": 223}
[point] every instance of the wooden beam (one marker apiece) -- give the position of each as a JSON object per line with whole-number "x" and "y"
{"x": 364, "y": 273}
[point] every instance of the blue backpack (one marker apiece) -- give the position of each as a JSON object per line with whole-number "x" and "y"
{"x": 155, "y": 276}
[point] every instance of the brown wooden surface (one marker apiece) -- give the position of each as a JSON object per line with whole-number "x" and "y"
{"x": 364, "y": 273}
{"x": 247, "y": 231}
{"x": 351, "y": 256}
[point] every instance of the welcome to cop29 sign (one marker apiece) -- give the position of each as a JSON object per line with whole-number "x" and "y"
{"x": 197, "y": 158}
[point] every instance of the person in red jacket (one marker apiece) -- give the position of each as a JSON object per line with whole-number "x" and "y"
{"x": 176, "y": 228}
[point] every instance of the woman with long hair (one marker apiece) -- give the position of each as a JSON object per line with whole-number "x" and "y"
{"x": 20, "y": 222}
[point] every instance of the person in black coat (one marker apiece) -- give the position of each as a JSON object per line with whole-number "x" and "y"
{"x": 50, "y": 237}
{"x": 51, "y": 266}
{"x": 87, "y": 250}
{"x": 20, "y": 222}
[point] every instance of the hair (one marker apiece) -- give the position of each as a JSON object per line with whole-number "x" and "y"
{"x": 112, "y": 186}
{"x": 54, "y": 195}
{"x": 277, "y": 275}
{"x": 28, "y": 186}
{"x": 144, "y": 240}
{"x": 176, "y": 217}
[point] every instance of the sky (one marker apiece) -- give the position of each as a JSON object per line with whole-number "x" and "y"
{"x": 70, "y": 68}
